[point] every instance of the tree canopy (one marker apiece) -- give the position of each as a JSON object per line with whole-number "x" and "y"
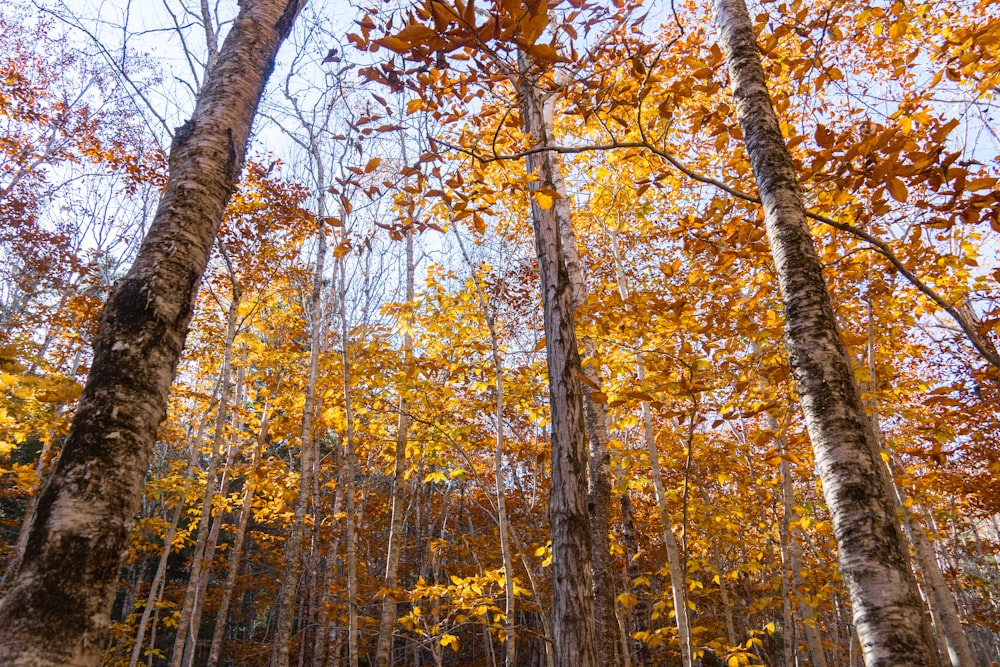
{"x": 497, "y": 354}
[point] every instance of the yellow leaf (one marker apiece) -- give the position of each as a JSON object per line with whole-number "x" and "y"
{"x": 544, "y": 199}
{"x": 414, "y": 105}
{"x": 627, "y": 600}
{"x": 372, "y": 165}
{"x": 342, "y": 249}
{"x": 450, "y": 640}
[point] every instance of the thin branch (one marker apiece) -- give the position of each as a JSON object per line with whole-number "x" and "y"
{"x": 878, "y": 245}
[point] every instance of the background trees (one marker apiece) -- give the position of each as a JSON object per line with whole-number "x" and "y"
{"x": 389, "y": 145}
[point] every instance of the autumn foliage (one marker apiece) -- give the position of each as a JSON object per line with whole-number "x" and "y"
{"x": 890, "y": 113}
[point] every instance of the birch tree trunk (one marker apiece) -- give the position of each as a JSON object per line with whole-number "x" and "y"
{"x": 510, "y": 641}
{"x": 383, "y": 650}
{"x": 941, "y": 602}
{"x": 887, "y": 609}
{"x": 349, "y": 474}
{"x": 187, "y": 627}
{"x": 246, "y": 511}
{"x": 156, "y": 587}
{"x": 678, "y": 580}
{"x": 572, "y": 574}
{"x": 809, "y": 627}
{"x": 944, "y": 612}
{"x": 57, "y": 612}
{"x": 307, "y": 452}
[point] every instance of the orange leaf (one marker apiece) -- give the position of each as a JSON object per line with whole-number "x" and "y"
{"x": 394, "y": 44}
{"x": 897, "y": 190}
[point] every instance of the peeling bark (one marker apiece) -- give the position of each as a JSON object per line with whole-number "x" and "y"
{"x": 57, "y": 612}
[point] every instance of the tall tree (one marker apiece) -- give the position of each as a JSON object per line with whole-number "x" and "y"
{"x": 888, "y": 612}
{"x": 57, "y": 611}
{"x": 572, "y": 590}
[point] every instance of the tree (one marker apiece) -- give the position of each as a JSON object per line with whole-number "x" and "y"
{"x": 57, "y": 610}
{"x": 888, "y": 611}
{"x": 445, "y": 554}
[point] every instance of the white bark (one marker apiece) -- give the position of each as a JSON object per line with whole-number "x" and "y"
{"x": 307, "y": 454}
{"x": 888, "y": 612}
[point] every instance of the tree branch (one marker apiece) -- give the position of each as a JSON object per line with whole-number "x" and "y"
{"x": 965, "y": 322}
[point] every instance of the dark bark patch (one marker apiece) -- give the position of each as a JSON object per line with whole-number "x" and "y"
{"x": 284, "y": 24}
{"x": 181, "y": 134}
{"x": 233, "y": 163}
{"x": 130, "y": 307}
{"x": 188, "y": 289}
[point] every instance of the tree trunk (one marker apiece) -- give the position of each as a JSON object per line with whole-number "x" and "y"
{"x": 156, "y": 587}
{"x": 939, "y": 597}
{"x": 57, "y": 612}
{"x": 794, "y": 560}
{"x": 187, "y": 627}
{"x": 322, "y": 631}
{"x": 727, "y": 605}
{"x": 349, "y": 474}
{"x": 886, "y": 604}
{"x": 944, "y": 612}
{"x": 599, "y": 494}
{"x": 510, "y": 642}
{"x": 678, "y": 580}
{"x": 307, "y": 451}
{"x": 631, "y": 573}
{"x": 246, "y": 512}
{"x": 383, "y": 650}
{"x": 572, "y": 575}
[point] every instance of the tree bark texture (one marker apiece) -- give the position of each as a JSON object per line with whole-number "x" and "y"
{"x": 599, "y": 494}
{"x": 57, "y": 612}
{"x": 887, "y": 609}
{"x": 572, "y": 585}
